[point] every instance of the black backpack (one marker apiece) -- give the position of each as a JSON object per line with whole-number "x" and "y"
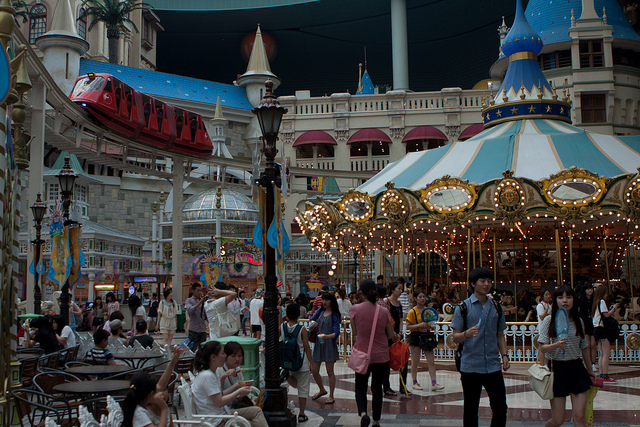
{"x": 290, "y": 356}
{"x": 463, "y": 312}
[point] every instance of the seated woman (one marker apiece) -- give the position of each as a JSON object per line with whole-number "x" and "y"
{"x": 209, "y": 397}
{"x": 145, "y": 404}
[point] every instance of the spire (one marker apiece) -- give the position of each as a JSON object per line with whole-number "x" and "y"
{"x": 503, "y": 30}
{"x": 258, "y": 61}
{"x": 218, "y": 115}
{"x": 365, "y": 85}
{"x": 258, "y": 69}
{"x": 525, "y": 92}
{"x": 359, "y": 77}
{"x": 63, "y": 22}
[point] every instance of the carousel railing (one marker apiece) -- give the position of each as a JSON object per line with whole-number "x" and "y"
{"x": 521, "y": 339}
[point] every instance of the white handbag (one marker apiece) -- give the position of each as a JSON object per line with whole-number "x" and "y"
{"x": 541, "y": 381}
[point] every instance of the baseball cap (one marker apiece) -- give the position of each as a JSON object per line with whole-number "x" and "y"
{"x": 258, "y": 292}
{"x": 114, "y": 325}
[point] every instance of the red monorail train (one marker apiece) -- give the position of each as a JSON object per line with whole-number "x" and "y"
{"x": 142, "y": 117}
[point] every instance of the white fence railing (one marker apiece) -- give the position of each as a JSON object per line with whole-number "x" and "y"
{"x": 521, "y": 339}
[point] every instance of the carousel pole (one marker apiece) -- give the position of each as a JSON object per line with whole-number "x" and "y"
{"x": 440, "y": 263}
{"x": 606, "y": 258}
{"x": 427, "y": 265}
{"x": 629, "y": 258}
{"x": 468, "y": 255}
{"x": 415, "y": 264}
{"x": 513, "y": 273}
{"x": 570, "y": 256}
{"x": 448, "y": 263}
{"x": 495, "y": 257}
{"x": 403, "y": 266}
{"x": 480, "y": 247}
{"x": 473, "y": 249}
{"x": 635, "y": 259}
{"x": 559, "y": 258}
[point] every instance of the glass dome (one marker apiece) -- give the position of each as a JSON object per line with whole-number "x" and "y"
{"x": 234, "y": 206}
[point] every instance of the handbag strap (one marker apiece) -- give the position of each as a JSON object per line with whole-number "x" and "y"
{"x": 373, "y": 328}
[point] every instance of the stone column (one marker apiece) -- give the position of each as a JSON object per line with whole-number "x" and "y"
{"x": 399, "y": 45}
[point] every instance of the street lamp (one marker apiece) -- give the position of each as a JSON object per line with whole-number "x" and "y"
{"x": 269, "y": 114}
{"x": 38, "y": 209}
{"x": 67, "y": 178}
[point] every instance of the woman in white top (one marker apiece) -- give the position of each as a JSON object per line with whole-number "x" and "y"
{"x": 137, "y": 309}
{"x": 343, "y": 303}
{"x": 598, "y": 311}
{"x": 543, "y": 309}
{"x": 209, "y": 397}
{"x": 64, "y": 334}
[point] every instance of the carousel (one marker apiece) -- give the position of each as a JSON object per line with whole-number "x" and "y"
{"x": 533, "y": 198}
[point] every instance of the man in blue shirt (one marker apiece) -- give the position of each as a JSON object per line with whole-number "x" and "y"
{"x": 484, "y": 346}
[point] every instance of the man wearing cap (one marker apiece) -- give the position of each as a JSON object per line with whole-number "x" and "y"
{"x": 255, "y": 307}
{"x": 117, "y": 326}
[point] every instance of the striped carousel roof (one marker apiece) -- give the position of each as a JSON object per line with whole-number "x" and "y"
{"x": 533, "y": 149}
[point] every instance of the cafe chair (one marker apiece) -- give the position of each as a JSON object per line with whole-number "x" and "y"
{"x": 34, "y": 407}
{"x": 234, "y": 420}
{"x": 45, "y": 381}
{"x": 28, "y": 369}
{"x": 76, "y": 363}
{"x": 171, "y": 387}
{"x": 105, "y": 409}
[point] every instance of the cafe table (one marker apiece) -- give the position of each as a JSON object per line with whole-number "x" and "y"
{"x": 136, "y": 359}
{"x": 92, "y": 388}
{"x": 99, "y": 371}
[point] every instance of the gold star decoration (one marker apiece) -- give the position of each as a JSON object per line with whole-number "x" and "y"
{"x": 514, "y": 110}
{"x": 516, "y": 40}
{"x": 548, "y": 109}
{"x": 525, "y": 38}
{"x": 539, "y": 40}
{"x": 532, "y": 108}
{"x": 488, "y": 116}
{"x": 498, "y": 113}
{"x": 561, "y": 110}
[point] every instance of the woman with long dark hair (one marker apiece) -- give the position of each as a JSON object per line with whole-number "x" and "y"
{"x": 600, "y": 310}
{"x": 209, "y": 396}
{"x": 585, "y": 304}
{"x": 64, "y": 334}
{"x": 97, "y": 313}
{"x": 137, "y": 309}
{"x": 326, "y": 347}
{"x": 112, "y": 304}
{"x": 571, "y": 375}
{"x": 362, "y": 326}
{"x": 395, "y": 309}
{"x": 421, "y": 338}
{"x": 167, "y": 320}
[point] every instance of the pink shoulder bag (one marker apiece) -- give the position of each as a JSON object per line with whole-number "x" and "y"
{"x": 359, "y": 360}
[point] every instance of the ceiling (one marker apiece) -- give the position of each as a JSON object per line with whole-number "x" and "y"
{"x": 320, "y": 43}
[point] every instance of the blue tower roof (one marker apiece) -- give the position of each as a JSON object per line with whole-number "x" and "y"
{"x": 525, "y": 92}
{"x": 170, "y": 85}
{"x": 552, "y": 19}
{"x": 521, "y": 37}
{"x": 366, "y": 83}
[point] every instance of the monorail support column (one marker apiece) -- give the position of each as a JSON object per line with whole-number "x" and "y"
{"x": 399, "y": 45}
{"x": 176, "y": 229}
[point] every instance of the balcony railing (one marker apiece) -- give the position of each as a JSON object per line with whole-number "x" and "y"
{"x": 365, "y": 164}
{"x": 326, "y": 163}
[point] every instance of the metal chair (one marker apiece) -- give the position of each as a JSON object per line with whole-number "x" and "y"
{"x": 171, "y": 387}
{"x": 34, "y": 407}
{"x": 184, "y": 365}
{"x": 28, "y": 370}
{"x": 45, "y": 381}
{"x": 76, "y": 363}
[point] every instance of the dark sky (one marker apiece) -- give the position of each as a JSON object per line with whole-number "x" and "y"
{"x": 451, "y": 43}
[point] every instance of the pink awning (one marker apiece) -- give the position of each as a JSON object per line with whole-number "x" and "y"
{"x": 315, "y": 137}
{"x": 368, "y": 135}
{"x": 424, "y": 132}
{"x": 471, "y": 131}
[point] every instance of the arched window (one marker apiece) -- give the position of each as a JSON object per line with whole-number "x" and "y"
{"x": 38, "y": 22}
{"x": 82, "y": 24}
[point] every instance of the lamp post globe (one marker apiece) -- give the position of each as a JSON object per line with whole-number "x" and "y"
{"x": 269, "y": 114}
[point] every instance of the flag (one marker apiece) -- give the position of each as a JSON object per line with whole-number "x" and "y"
{"x": 77, "y": 257}
{"x": 32, "y": 269}
{"x": 314, "y": 183}
{"x": 60, "y": 265}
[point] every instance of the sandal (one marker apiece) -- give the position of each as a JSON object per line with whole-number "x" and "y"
{"x": 302, "y": 418}
{"x": 390, "y": 393}
{"x": 318, "y": 395}
{"x": 329, "y": 401}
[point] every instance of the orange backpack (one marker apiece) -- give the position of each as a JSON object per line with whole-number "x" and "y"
{"x": 398, "y": 355}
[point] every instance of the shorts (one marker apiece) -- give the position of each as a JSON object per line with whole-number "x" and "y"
{"x": 303, "y": 378}
{"x": 588, "y": 328}
{"x": 256, "y": 328}
{"x": 569, "y": 377}
{"x": 427, "y": 341}
{"x": 152, "y": 319}
{"x": 600, "y": 333}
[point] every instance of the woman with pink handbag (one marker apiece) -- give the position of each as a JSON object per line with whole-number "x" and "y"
{"x": 371, "y": 325}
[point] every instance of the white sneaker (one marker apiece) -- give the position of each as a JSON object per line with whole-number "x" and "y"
{"x": 437, "y": 387}
{"x": 417, "y": 386}
{"x": 594, "y": 368}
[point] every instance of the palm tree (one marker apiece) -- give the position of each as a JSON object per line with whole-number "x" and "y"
{"x": 115, "y": 15}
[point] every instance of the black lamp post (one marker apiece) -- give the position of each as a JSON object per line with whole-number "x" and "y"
{"x": 38, "y": 209}
{"x": 67, "y": 178}
{"x": 269, "y": 114}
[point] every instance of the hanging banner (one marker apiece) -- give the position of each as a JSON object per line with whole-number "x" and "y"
{"x": 212, "y": 270}
{"x": 77, "y": 257}
{"x": 32, "y": 269}
{"x": 277, "y": 237}
{"x": 60, "y": 265}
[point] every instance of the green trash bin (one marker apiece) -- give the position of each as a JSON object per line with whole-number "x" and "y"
{"x": 251, "y": 366}
{"x": 180, "y": 318}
